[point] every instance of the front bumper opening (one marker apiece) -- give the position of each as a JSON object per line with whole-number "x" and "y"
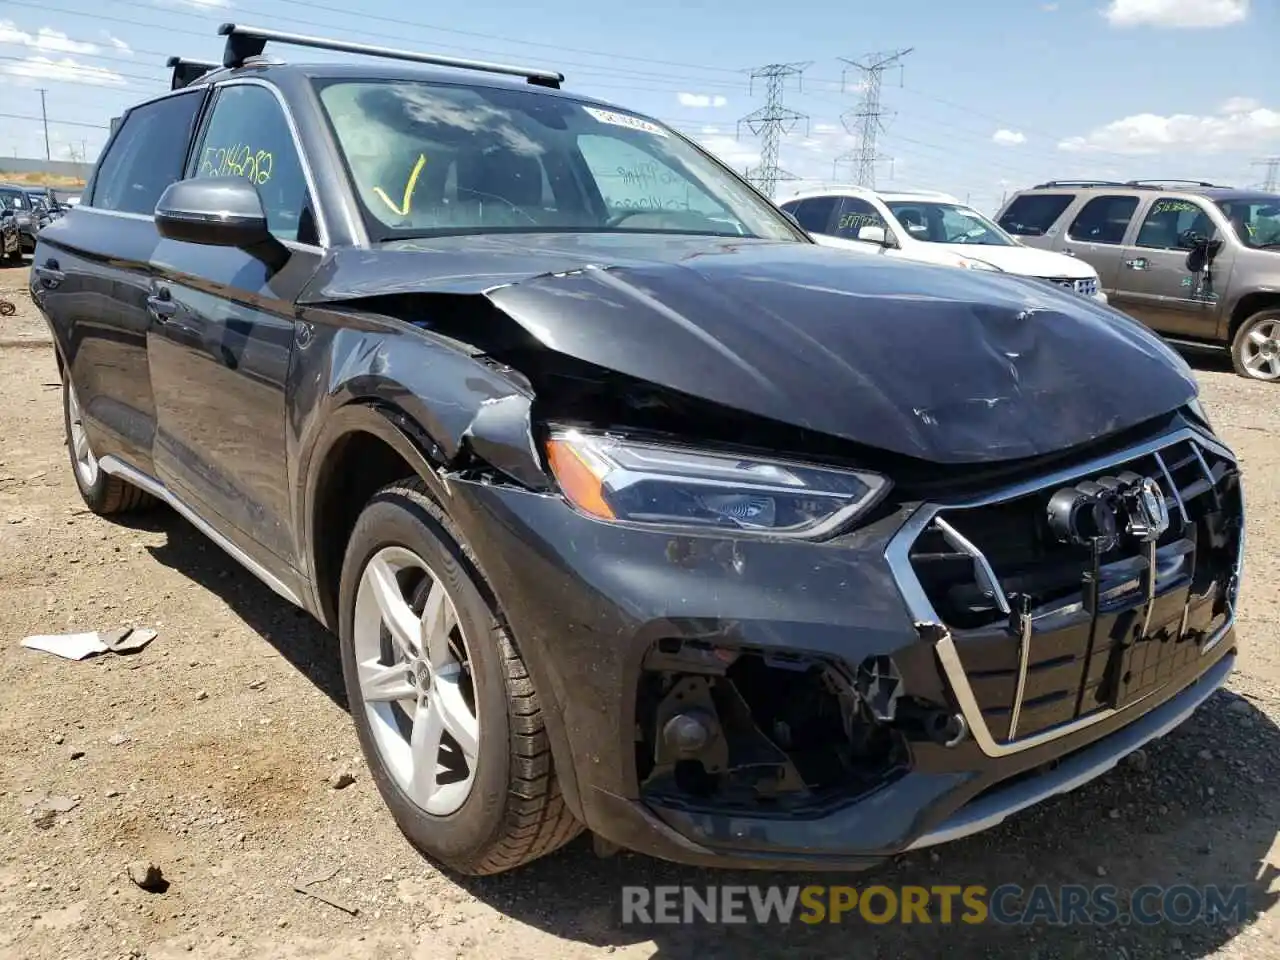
{"x": 759, "y": 732}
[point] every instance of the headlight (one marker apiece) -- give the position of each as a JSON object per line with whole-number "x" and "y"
{"x": 969, "y": 263}
{"x": 633, "y": 482}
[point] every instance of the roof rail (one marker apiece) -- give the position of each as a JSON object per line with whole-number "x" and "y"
{"x": 1079, "y": 183}
{"x": 187, "y": 72}
{"x": 1194, "y": 183}
{"x": 245, "y": 42}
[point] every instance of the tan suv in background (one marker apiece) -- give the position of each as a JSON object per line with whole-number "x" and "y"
{"x": 1198, "y": 263}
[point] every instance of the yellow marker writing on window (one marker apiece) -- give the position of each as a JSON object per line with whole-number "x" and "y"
{"x": 407, "y": 201}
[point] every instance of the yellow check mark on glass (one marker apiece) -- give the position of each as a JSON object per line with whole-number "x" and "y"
{"x": 407, "y": 200}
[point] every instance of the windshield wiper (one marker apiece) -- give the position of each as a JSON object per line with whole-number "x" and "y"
{"x": 1268, "y": 246}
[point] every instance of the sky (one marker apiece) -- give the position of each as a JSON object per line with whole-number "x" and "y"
{"x": 992, "y": 97}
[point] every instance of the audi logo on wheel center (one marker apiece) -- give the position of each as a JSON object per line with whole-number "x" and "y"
{"x": 1099, "y": 512}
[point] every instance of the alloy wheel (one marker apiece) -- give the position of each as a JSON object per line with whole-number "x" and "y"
{"x": 85, "y": 461}
{"x": 413, "y": 669}
{"x": 1261, "y": 351}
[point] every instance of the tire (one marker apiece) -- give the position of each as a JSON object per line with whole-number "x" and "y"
{"x": 102, "y": 493}
{"x": 514, "y": 812}
{"x": 1245, "y": 350}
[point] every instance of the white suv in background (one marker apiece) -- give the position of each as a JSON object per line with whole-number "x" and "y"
{"x": 931, "y": 228}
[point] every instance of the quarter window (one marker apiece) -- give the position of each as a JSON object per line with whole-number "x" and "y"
{"x": 1103, "y": 220}
{"x": 248, "y": 136}
{"x": 146, "y": 155}
{"x": 814, "y": 213}
{"x": 1032, "y": 214}
{"x": 856, "y": 214}
{"x": 1173, "y": 224}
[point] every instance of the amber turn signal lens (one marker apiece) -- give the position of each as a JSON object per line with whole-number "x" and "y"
{"x": 577, "y": 480}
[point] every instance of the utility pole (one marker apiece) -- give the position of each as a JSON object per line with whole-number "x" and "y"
{"x": 771, "y": 122}
{"x": 1272, "y": 183}
{"x": 44, "y": 116}
{"x": 864, "y": 121}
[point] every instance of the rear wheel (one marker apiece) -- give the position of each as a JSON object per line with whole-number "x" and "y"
{"x": 446, "y": 714}
{"x": 102, "y": 493}
{"x": 1255, "y": 351}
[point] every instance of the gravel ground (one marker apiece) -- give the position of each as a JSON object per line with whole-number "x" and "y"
{"x": 214, "y": 753}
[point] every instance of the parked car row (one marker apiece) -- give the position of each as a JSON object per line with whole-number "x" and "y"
{"x": 1197, "y": 263}
{"x": 634, "y": 508}
{"x": 24, "y": 211}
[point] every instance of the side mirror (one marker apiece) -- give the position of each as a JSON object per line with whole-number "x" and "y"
{"x": 1202, "y": 254}
{"x": 215, "y": 211}
{"x": 873, "y": 234}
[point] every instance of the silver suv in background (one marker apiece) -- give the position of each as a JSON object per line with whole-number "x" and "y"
{"x": 1198, "y": 263}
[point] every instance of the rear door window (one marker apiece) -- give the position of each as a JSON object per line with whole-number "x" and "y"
{"x": 146, "y": 155}
{"x": 1103, "y": 220}
{"x": 1032, "y": 214}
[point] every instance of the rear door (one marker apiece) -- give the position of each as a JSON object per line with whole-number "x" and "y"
{"x": 223, "y": 330}
{"x": 1097, "y": 234}
{"x": 91, "y": 275}
{"x": 1154, "y": 284}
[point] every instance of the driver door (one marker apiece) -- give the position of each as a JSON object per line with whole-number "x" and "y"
{"x": 1154, "y": 284}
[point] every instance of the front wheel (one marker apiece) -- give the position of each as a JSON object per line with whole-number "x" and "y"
{"x": 1255, "y": 350}
{"x": 446, "y": 714}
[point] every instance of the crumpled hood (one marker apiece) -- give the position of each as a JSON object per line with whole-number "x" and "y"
{"x": 947, "y": 365}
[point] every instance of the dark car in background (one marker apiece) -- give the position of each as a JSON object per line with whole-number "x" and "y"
{"x": 23, "y": 220}
{"x": 633, "y": 508}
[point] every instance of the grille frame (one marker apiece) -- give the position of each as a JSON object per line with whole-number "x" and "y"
{"x": 898, "y": 550}
{"x": 1085, "y": 286}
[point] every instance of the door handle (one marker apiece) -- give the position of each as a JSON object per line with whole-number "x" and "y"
{"x": 161, "y": 305}
{"x": 49, "y": 273}
{"x": 1137, "y": 263}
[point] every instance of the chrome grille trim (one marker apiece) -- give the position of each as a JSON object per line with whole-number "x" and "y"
{"x": 897, "y": 553}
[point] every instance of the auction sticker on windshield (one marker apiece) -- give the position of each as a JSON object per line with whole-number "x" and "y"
{"x": 623, "y": 120}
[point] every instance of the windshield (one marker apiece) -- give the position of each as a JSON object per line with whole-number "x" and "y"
{"x": 430, "y": 159}
{"x": 935, "y": 222}
{"x": 1256, "y": 220}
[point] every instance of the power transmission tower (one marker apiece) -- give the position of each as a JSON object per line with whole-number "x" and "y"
{"x": 864, "y": 121}
{"x": 1272, "y": 183}
{"x": 44, "y": 116}
{"x": 772, "y": 122}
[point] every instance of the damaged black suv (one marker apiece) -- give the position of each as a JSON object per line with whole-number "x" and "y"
{"x": 632, "y": 508}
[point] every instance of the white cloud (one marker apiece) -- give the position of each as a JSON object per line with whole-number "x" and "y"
{"x": 1241, "y": 123}
{"x": 1176, "y": 13}
{"x": 46, "y": 39}
{"x": 43, "y": 68}
{"x": 1048, "y": 7}
{"x": 198, "y": 4}
{"x": 1239, "y": 105}
{"x": 731, "y": 151}
{"x": 825, "y": 128}
{"x": 55, "y": 41}
{"x": 1008, "y": 138}
{"x": 701, "y": 100}
{"x": 709, "y": 130}
{"x": 118, "y": 44}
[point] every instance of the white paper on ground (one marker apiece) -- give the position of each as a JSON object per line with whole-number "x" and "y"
{"x": 72, "y": 646}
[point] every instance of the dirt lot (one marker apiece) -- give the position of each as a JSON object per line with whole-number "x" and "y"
{"x": 212, "y": 754}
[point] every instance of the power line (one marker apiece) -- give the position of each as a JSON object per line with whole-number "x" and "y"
{"x": 771, "y": 122}
{"x": 61, "y": 123}
{"x": 864, "y": 121}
